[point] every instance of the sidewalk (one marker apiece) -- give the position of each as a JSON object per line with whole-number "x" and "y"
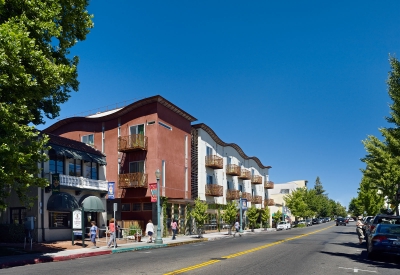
{"x": 63, "y": 251}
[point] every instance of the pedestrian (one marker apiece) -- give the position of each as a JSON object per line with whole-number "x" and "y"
{"x": 150, "y": 231}
{"x": 174, "y": 227}
{"x": 111, "y": 229}
{"x": 359, "y": 229}
{"x": 94, "y": 232}
{"x": 237, "y": 229}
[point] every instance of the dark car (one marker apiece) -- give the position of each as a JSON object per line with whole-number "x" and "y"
{"x": 315, "y": 221}
{"x": 309, "y": 222}
{"x": 341, "y": 221}
{"x": 367, "y": 221}
{"x": 384, "y": 239}
{"x": 381, "y": 218}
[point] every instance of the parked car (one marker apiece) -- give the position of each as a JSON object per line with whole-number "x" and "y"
{"x": 315, "y": 221}
{"x": 351, "y": 219}
{"x": 327, "y": 219}
{"x": 384, "y": 238}
{"x": 367, "y": 221}
{"x": 322, "y": 220}
{"x": 341, "y": 221}
{"x": 283, "y": 225}
{"x": 309, "y": 222}
{"x": 378, "y": 219}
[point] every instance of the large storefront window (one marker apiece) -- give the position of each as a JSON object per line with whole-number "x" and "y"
{"x": 59, "y": 219}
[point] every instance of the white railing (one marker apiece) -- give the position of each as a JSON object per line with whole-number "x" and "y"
{"x": 81, "y": 182}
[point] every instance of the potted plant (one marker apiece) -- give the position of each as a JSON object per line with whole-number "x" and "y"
{"x": 135, "y": 232}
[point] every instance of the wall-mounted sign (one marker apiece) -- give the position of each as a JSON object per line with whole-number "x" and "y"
{"x": 77, "y": 219}
{"x": 153, "y": 191}
{"x": 111, "y": 190}
{"x": 55, "y": 183}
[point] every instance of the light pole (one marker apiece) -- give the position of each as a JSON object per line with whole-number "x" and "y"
{"x": 240, "y": 206}
{"x": 283, "y": 212}
{"x": 158, "y": 238}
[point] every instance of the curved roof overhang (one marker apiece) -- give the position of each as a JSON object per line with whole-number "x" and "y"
{"x": 214, "y": 136}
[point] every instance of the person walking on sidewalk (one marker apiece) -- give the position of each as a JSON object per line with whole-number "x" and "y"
{"x": 111, "y": 229}
{"x": 150, "y": 231}
{"x": 94, "y": 232}
{"x": 174, "y": 227}
{"x": 237, "y": 229}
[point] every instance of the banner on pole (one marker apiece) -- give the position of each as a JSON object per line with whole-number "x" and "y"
{"x": 55, "y": 183}
{"x": 153, "y": 191}
{"x": 111, "y": 190}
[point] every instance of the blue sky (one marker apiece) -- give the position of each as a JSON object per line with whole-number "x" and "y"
{"x": 297, "y": 84}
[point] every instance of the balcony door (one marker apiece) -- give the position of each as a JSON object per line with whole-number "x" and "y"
{"x": 209, "y": 151}
{"x": 137, "y": 129}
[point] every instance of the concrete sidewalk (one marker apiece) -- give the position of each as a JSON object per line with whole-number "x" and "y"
{"x": 70, "y": 254}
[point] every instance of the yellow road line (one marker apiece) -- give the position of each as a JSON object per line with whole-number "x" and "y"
{"x": 242, "y": 253}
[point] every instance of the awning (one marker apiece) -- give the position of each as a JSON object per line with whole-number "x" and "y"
{"x": 93, "y": 204}
{"x": 62, "y": 202}
{"x": 75, "y": 154}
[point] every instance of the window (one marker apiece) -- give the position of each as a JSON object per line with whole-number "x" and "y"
{"x": 228, "y": 185}
{"x": 88, "y": 139}
{"x": 252, "y": 192}
{"x": 209, "y": 151}
{"x": 209, "y": 179}
{"x": 165, "y": 125}
{"x": 59, "y": 220}
{"x": 136, "y": 207}
{"x": 136, "y": 167}
{"x": 284, "y": 191}
{"x": 56, "y": 163}
{"x": 18, "y": 215}
{"x": 91, "y": 169}
{"x": 75, "y": 167}
{"x": 151, "y": 122}
{"x": 228, "y": 159}
{"x": 147, "y": 206}
{"x": 240, "y": 188}
{"x": 126, "y": 207}
{"x": 137, "y": 129}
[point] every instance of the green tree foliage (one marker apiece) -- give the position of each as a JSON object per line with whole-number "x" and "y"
{"x": 295, "y": 201}
{"x": 355, "y": 207}
{"x": 383, "y": 157}
{"x": 277, "y": 217}
{"x": 38, "y": 73}
{"x": 318, "y": 187}
{"x": 252, "y": 215}
{"x": 370, "y": 197}
{"x": 230, "y": 213}
{"x": 199, "y": 213}
{"x": 265, "y": 213}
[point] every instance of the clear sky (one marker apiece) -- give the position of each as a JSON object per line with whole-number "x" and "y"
{"x": 297, "y": 84}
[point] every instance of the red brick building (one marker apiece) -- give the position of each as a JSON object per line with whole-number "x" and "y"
{"x": 138, "y": 139}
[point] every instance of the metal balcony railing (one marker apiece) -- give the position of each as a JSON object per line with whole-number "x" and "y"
{"x": 132, "y": 143}
{"x": 256, "y": 199}
{"x": 269, "y": 185}
{"x": 256, "y": 179}
{"x": 246, "y": 196}
{"x": 132, "y": 180}
{"x": 84, "y": 183}
{"x": 214, "y": 190}
{"x": 214, "y": 161}
{"x": 245, "y": 174}
{"x": 232, "y": 194}
{"x": 233, "y": 169}
{"x": 269, "y": 202}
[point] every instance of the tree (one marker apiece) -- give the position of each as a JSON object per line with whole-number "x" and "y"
{"x": 229, "y": 215}
{"x": 199, "y": 213}
{"x": 318, "y": 187}
{"x": 295, "y": 201}
{"x": 369, "y": 197}
{"x": 355, "y": 207}
{"x": 277, "y": 217}
{"x": 38, "y": 73}
{"x": 265, "y": 217}
{"x": 252, "y": 215}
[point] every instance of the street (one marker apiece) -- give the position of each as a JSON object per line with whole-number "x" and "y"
{"x": 320, "y": 249}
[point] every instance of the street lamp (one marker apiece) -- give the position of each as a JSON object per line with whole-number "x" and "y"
{"x": 158, "y": 238}
{"x": 240, "y": 206}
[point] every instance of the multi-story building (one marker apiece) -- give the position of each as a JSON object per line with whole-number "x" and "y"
{"x": 221, "y": 171}
{"x": 279, "y": 191}
{"x": 76, "y": 174}
{"x": 138, "y": 139}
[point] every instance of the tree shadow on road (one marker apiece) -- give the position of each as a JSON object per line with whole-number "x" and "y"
{"x": 391, "y": 262}
{"x": 347, "y": 233}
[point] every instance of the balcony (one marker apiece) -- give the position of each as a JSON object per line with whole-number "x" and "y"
{"x": 133, "y": 180}
{"x": 269, "y": 185}
{"x": 256, "y": 200}
{"x": 246, "y": 196}
{"x": 233, "y": 169}
{"x": 214, "y": 190}
{"x": 137, "y": 142}
{"x": 214, "y": 161}
{"x": 232, "y": 194}
{"x": 269, "y": 202}
{"x": 83, "y": 183}
{"x": 256, "y": 180}
{"x": 245, "y": 174}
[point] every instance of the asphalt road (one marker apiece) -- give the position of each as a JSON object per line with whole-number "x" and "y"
{"x": 321, "y": 249}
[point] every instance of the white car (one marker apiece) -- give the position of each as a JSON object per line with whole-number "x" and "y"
{"x": 283, "y": 226}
